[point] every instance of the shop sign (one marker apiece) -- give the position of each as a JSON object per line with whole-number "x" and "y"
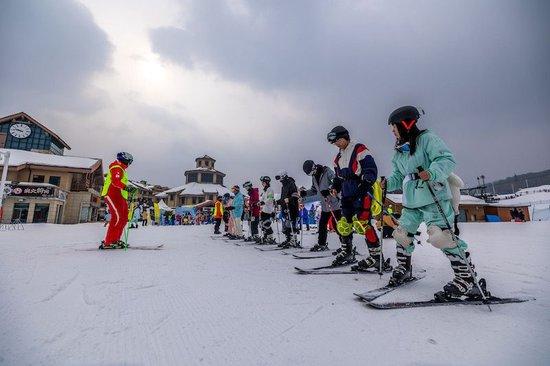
{"x": 30, "y": 191}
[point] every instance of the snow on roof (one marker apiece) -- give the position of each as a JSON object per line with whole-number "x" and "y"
{"x": 33, "y": 184}
{"x": 141, "y": 185}
{"x": 202, "y": 188}
{"x": 466, "y": 199}
{"x": 21, "y": 157}
{"x": 196, "y": 189}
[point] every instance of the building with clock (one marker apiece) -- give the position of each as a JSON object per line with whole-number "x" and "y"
{"x": 22, "y": 132}
{"x": 44, "y": 184}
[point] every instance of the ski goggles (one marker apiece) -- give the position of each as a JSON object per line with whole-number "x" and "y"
{"x": 332, "y": 137}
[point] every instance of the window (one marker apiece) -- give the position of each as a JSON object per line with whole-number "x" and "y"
{"x": 38, "y": 179}
{"x": 55, "y": 180}
{"x": 20, "y": 212}
{"x": 41, "y": 212}
{"x": 207, "y": 178}
{"x": 191, "y": 177}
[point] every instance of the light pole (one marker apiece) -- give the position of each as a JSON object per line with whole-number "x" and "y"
{"x": 5, "y": 158}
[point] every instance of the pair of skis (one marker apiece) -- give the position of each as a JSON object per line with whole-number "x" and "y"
{"x": 369, "y": 296}
{"x": 133, "y": 247}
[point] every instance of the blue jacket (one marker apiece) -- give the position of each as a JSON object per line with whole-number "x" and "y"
{"x": 238, "y": 204}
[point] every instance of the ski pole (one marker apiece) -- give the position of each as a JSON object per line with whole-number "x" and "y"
{"x": 454, "y": 237}
{"x": 277, "y": 226}
{"x": 127, "y": 229}
{"x": 382, "y": 228}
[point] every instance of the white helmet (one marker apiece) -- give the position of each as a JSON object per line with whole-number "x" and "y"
{"x": 281, "y": 174}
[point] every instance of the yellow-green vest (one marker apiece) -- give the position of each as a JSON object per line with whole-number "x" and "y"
{"x": 107, "y": 182}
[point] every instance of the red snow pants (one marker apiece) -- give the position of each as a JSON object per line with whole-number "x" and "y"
{"x": 118, "y": 207}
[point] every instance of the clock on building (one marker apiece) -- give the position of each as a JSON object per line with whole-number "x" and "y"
{"x": 20, "y": 130}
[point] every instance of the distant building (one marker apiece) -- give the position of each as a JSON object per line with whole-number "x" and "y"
{"x": 202, "y": 183}
{"x": 44, "y": 185}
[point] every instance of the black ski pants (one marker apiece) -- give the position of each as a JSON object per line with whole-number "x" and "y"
{"x": 323, "y": 223}
{"x": 266, "y": 224}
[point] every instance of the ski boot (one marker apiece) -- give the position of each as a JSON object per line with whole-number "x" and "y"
{"x": 294, "y": 242}
{"x": 463, "y": 284}
{"x": 269, "y": 240}
{"x": 403, "y": 272}
{"x": 104, "y": 246}
{"x": 249, "y": 239}
{"x": 285, "y": 244}
{"x": 319, "y": 248}
{"x": 346, "y": 255}
{"x": 372, "y": 264}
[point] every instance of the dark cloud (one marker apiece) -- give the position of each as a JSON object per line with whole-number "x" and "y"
{"x": 480, "y": 69}
{"x": 50, "y": 49}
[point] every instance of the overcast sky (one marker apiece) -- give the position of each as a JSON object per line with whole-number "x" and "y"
{"x": 258, "y": 84}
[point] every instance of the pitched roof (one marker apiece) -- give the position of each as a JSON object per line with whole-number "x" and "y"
{"x": 205, "y": 157}
{"x": 22, "y": 157}
{"x": 195, "y": 189}
{"x": 23, "y": 114}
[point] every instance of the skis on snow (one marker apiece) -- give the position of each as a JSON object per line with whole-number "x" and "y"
{"x": 421, "y": 304}
{"x": 371, "y": 295}
{"x": 133, "y": 247}
{"x": 330, "y": 269}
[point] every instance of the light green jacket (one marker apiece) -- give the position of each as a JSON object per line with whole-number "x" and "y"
{"x": 434, "y": 156}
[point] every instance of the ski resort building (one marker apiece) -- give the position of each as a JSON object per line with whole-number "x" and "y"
{"x": 43, "y": 184}
{"x": 203, "y": 183}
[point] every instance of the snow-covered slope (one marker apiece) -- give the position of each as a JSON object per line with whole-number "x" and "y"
{"x": 207, "y": 302}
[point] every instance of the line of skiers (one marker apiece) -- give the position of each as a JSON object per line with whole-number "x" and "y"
{"x": 422, "y": 167}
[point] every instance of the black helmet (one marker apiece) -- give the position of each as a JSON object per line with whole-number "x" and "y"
{"x": 309, "y": 167}
{"x": 247, "y": 185}
{"x": 336, "y": 133}
{"x": 406, "y": 116}
{"x": 265, "y": 179}
{"x": 236, "y": 187}
{"x": 125, "y": 158}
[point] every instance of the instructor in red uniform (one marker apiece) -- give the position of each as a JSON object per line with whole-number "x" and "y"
{"x": 115, "y": 193}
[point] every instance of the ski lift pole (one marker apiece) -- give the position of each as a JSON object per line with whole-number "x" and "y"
{"x": 460, "y": 251}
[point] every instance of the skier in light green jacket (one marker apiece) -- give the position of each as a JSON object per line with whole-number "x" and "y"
{"x": 416, "y": 149}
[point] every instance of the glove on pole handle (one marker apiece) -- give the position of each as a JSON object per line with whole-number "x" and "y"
{"x": 448, "y": 225}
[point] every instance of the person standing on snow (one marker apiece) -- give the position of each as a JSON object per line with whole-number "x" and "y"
{"x": 115, "y": 192}
{"x": 237, "y": 208}
{"x": 416, "y": 149}
{"x": 218, "y": 214}
{"x": 321, "y": 182}
{"x": 356, "y": 172}
{"x": 253, "y": 210}
{"x": 289, "y": 205}
{"x": 267, "y": 203}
